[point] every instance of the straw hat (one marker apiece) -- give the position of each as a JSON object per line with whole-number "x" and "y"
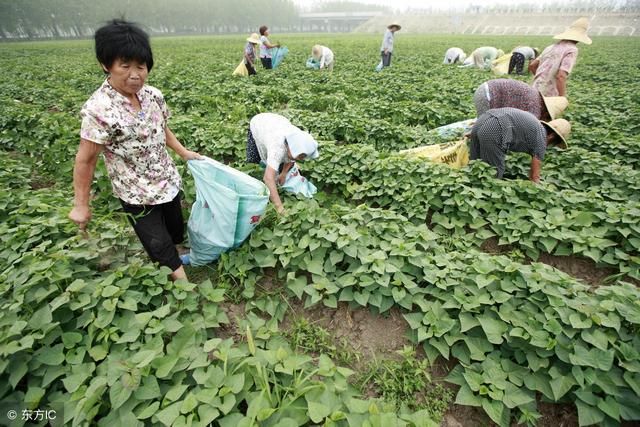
{"x": 576, "y": 32}
{"x": 555, "y": 105}
{"x": 254, "y": 38}
{"x": 560, "y": 127}
{"x": 395, "y": 24}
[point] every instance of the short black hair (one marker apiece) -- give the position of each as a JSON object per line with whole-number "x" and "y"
{"x": 124, "y": 40}
{"x": 263, "y": 30}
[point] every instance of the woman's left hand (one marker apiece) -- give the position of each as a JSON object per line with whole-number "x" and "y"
{"x": 191, "y": 155}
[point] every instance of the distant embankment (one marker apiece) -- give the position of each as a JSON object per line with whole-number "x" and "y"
{"x": 609, "y": 24}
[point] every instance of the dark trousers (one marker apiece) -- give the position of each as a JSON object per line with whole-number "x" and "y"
{"x": 159, "y": 228}
{"x": 386, "y": 59}
{"x": 516, "y": 63}
{"x": 253, "y": 156}
{"x": 266, "y": 63}
{"x": 250, "y": 69}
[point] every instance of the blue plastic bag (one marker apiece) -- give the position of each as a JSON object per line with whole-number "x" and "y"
{"x": 298, "y": 184}
{"x": 313, "y": 64}
{"x": 277, "y": 55}
{"x": 228, "y": 206}
{"x": 455, "y": 130}
{"x": 380, "y": 66}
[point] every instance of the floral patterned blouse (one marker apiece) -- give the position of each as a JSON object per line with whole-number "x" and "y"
{"x": 557, "y": 57}
{"x": 135, "y": 152}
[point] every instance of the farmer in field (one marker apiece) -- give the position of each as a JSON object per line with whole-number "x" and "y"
{"x": 265, "y": 48}
{"x": 386, "y": 49}
{"x": 483, "y": 56}
{"x": 250, "y": 53}
{"x": 126, "y": 120}
{"x": 277, "y": 144}
{"x": 554, "y": 65}
{"x": 500, "y": 93}
{"x": 501, "y": 130}
{"x": 453, "y": 55}
{"x": 323, "y": 56}
{"x": 519, "y": 56}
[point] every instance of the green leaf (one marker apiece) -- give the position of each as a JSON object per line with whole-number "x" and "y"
{"x": 41, "y": 318}
{"x": 595, "y": 358}
{"x": 51, "y": 356}
{"x": 493, "y": 328}
{"x": 70, "y": 339}
{"x": 315, "y": 267}
{"x": 110, "y": 291}
{"x": 473, "y": 379}
{"x": 588, "y": 415}
{"x": 296, "y": 284}
{"x": 207, "y": 414}
{"x": 467, "y": 321}
{"x": 188, "y": 404}
{"x": 414, "y": 319}
{"x": 466, "y": 397}
{"x": 149, "y": 389}
{"x": 596, "y": 337}
{"x": 496, "y": 410}
{"x": 517, "y": 396}
{"x": 609, "y": 406}
{"x": 168, "y": 415}
{"x": 118, "y": 394}
{"x": 34, "y": 395}
{"x": 149, "y": 411}
{"x": 317, "y": 411}
{"x": 561, "y": 385}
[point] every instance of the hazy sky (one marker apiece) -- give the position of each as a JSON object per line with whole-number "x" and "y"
{"x": 438, "y": 4}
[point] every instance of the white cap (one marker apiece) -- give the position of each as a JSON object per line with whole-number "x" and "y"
{"x": 301, "y": 142}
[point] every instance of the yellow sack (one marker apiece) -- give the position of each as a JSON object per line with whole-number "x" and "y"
{"x": 454, "y": 153}
{"x": 501, "y": 65}
{"x": 241, "y": 70}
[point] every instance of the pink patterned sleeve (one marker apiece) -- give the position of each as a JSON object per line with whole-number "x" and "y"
{"x": 93, "y": 128}
{"x": 568, "y": 61}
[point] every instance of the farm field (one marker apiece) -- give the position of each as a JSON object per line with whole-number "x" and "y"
{"x": 405, "y": 293}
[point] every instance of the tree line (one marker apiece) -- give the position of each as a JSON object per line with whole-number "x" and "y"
{"x": 32, "y": 19}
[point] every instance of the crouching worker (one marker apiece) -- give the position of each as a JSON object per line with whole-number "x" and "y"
{"x": 501, "y": 130}
{"x": 274, "y": 142}
{"x": 126, "y": 120}
{"x": 499, "y": 93}
{"x": 324, "y": 56}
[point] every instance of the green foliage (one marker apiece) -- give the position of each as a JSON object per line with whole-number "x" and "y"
{"x": 310, "y": 338}
{"x": 88, "y": 323}
{"x": 516, "y": 329}
{"x": 406, "y": 382}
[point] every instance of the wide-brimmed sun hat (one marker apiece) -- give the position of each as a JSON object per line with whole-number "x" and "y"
{"x": 576, "y": 32}
{"x": 560, "y": 127}
{"x": 301, "y": 142}
{"x": 254, "y": 38}
{"x": 395, "y": 24}
{"x": 555, "y": 105}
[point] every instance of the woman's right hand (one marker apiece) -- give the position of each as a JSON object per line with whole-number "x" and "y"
{"x": 81, "y": 215}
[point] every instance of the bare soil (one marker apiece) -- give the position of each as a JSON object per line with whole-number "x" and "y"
{"x": 373, "y": 336}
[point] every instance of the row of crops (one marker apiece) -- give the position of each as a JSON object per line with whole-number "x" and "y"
{"x": 88, "y": 326}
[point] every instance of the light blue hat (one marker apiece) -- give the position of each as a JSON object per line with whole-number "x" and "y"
{"x": 301, "y": 142}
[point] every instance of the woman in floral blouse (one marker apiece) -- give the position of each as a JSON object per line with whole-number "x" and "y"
{"x": 126, "y": 120}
